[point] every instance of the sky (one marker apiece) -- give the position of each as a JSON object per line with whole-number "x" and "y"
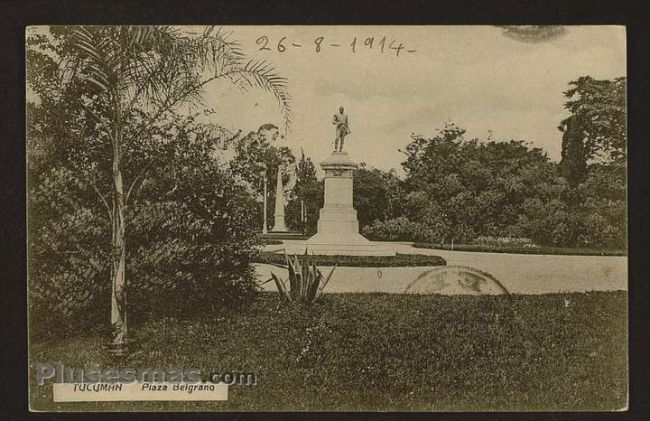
{"x": 487, "y": 83}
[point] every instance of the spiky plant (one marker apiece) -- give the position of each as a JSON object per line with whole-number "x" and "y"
{"x": 154, "y": 69}
{"x": 306, "y": 281}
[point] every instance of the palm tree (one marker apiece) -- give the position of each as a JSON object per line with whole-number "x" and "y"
{"x": 157, "y": 69}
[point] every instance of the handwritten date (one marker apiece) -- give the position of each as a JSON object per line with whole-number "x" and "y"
{"x": 383, "y": 45}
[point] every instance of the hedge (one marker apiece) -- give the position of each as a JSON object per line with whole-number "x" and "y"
{"x": 524, "y": 250}
{"x": 399, "y": 260}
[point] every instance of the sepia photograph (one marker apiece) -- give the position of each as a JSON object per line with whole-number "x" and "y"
{"x": 294, "y": 218}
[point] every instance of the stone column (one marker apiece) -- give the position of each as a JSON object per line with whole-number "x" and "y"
{"x": 278, "y": 216}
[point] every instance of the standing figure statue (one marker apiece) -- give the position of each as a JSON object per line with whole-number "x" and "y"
{"x": 342, "y": 129}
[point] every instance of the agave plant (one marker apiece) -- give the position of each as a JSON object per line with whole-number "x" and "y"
{"x": 306, "y": 281}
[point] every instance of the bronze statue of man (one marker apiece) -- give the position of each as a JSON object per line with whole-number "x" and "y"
{"x": 342, "y": 129}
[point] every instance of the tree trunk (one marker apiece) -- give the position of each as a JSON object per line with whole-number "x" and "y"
{"x": 118, "y": 255}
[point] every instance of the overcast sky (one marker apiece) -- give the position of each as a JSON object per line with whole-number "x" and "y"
{"x": 471, "y": 75}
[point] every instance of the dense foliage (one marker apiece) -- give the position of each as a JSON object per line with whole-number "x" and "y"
{"x": 186, "y": 225}
{"x": 258, "y": 154}
{"x": 594, "y": 155}
{"x": 457, "y": 190}
{"x": 399, "y": 229}
{"x": 306, "y": 198}
{"x": 598, "y": 109}
{"x": 191, "y": 236}
{"x": 376, "y": 194}
{"x": 257, "y": 159}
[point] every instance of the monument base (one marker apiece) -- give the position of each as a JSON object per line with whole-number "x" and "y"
{"x": 338, "y": 226}
{"x": 342, "y": 245}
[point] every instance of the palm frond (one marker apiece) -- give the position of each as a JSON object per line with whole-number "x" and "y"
{"x": 161, "y": 67}
{"x": 261, "y": 74}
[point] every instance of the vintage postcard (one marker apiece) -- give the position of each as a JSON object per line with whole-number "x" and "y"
{"x": 327, "y": 218}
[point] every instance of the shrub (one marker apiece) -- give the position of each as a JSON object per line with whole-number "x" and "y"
{"x": 178, "y": 261}
{"x": 572, "y": 251}
{"x": 504, "y": 241}
{"x": 68, "y": 246}
{"x": 400, "y": 229}
{"x": 598, "y": 232}
{"x": 190, "y": 245}
{"x": 189, "y": 241}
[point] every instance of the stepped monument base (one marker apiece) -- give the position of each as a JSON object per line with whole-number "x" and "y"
{"x": 338, "y": 227}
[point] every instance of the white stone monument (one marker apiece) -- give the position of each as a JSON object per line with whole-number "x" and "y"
{"x": 338, "y": 227}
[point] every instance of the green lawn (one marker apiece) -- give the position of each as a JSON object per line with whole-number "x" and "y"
{"x": 385, "y": 352}
{"x": 570, "y": 251}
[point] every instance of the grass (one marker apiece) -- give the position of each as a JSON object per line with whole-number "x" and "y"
{"x": 386, "y": 352}
{"x": 524, "y": 250}
{"x": 399, "y": 260}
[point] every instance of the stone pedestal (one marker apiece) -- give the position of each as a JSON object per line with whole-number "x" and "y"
{"x": 338, "y": 227}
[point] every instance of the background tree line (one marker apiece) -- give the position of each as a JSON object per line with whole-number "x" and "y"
{"x": 469, "y": 190}
{"x": 465, "y": 189}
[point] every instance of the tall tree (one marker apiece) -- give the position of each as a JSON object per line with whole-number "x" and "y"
{"x": 463, "y": 188}
{"x": 598, "y": 118}
{"x": 257, "y": 156}
{"x": 127, "y": 78}
{"x": 376, "y": 194}
{"x": 306, "y": 197}
{"x": 594, "y": 140}
{"x": 573, "y": 165}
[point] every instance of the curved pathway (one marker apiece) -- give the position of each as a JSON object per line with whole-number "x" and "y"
{"x": 519, "y": 273}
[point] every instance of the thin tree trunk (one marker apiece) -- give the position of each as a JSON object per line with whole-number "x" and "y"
{"x": 118, "y": 256}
